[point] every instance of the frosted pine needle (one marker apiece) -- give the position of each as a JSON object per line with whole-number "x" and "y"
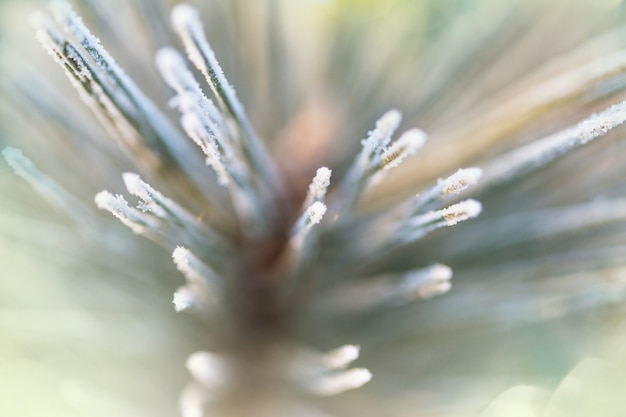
{"x": 539, "y": 153}
{"x": 112, "y": 95}
{"x": 187, "y": 24}
{"x": 207, "y": 128}
{"x": 368, "y": 160}
{"x": 318, "y": 187}
{"x": 386, "y": 292}
{"x": 209, "y": 369}
{"x": 139, "y": 222}
{"x": 312, "y": 216}
{"x": 405, "y": 146}
{"x": 340, "y": 382}
{"x": 203, "y": 288}
{"x": 46, "y": 187}
{"x": 194, "y": 270}
{"x": 341, "y": 357}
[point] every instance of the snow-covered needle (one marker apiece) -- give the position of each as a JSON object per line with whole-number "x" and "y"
{"x": 361, "y": 170}
{"x": 174, "y": 71}
{"x": 386, "y": 291}
{"x": 139, "y": 222}
{"x": 444, "y": 190}
{"x": 313, "y": 211}
{"x": 408, "y": 224}
{"x": 190, "y": 100}
{"x": 379, "y": 138}
{"x": 326, "y": 373}
{"x": 303, "y": 240}
{"x": 406, "y": 145}
{"x": 47, "y": 188}
{"x": 164, "y": 221}
{"x": 186, "y": 297}
{"x": 206, "y": 126}
{"x": 109, "y": 107}
{"x": 114, "y": 97}
{"x": 312, "y": 216}
{"x": 378, "y": 156}
{"x": 341, "y": 357}
{"x": 194, "y": 270}
{"x": 305, "y": 363}
{"x": 193, "y": 400}
{"x": 172, "y": 213}
{"x": 536, "y": 154}
{"x": 459, "y": 181}
{"x": 339, "y": 382}
{"x": 418, "y": 226}
{"x": 459, "y": 212}
{"x": 209, "y": 369}
{"x": 426, "y": 283}
{"x": 203, "y": 288}
{"x": 319, "y": 186}
{"x": 188, "y": 26}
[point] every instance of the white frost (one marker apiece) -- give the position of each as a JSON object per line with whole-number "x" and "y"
{"x": 341, "y": 357}
{"x": 460, "y": 181}
{"x": 381, "y": 135}
{"x": 316, "y": 212}
{"x": 462, "y": 211}
{"x": 408, "y": 144}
